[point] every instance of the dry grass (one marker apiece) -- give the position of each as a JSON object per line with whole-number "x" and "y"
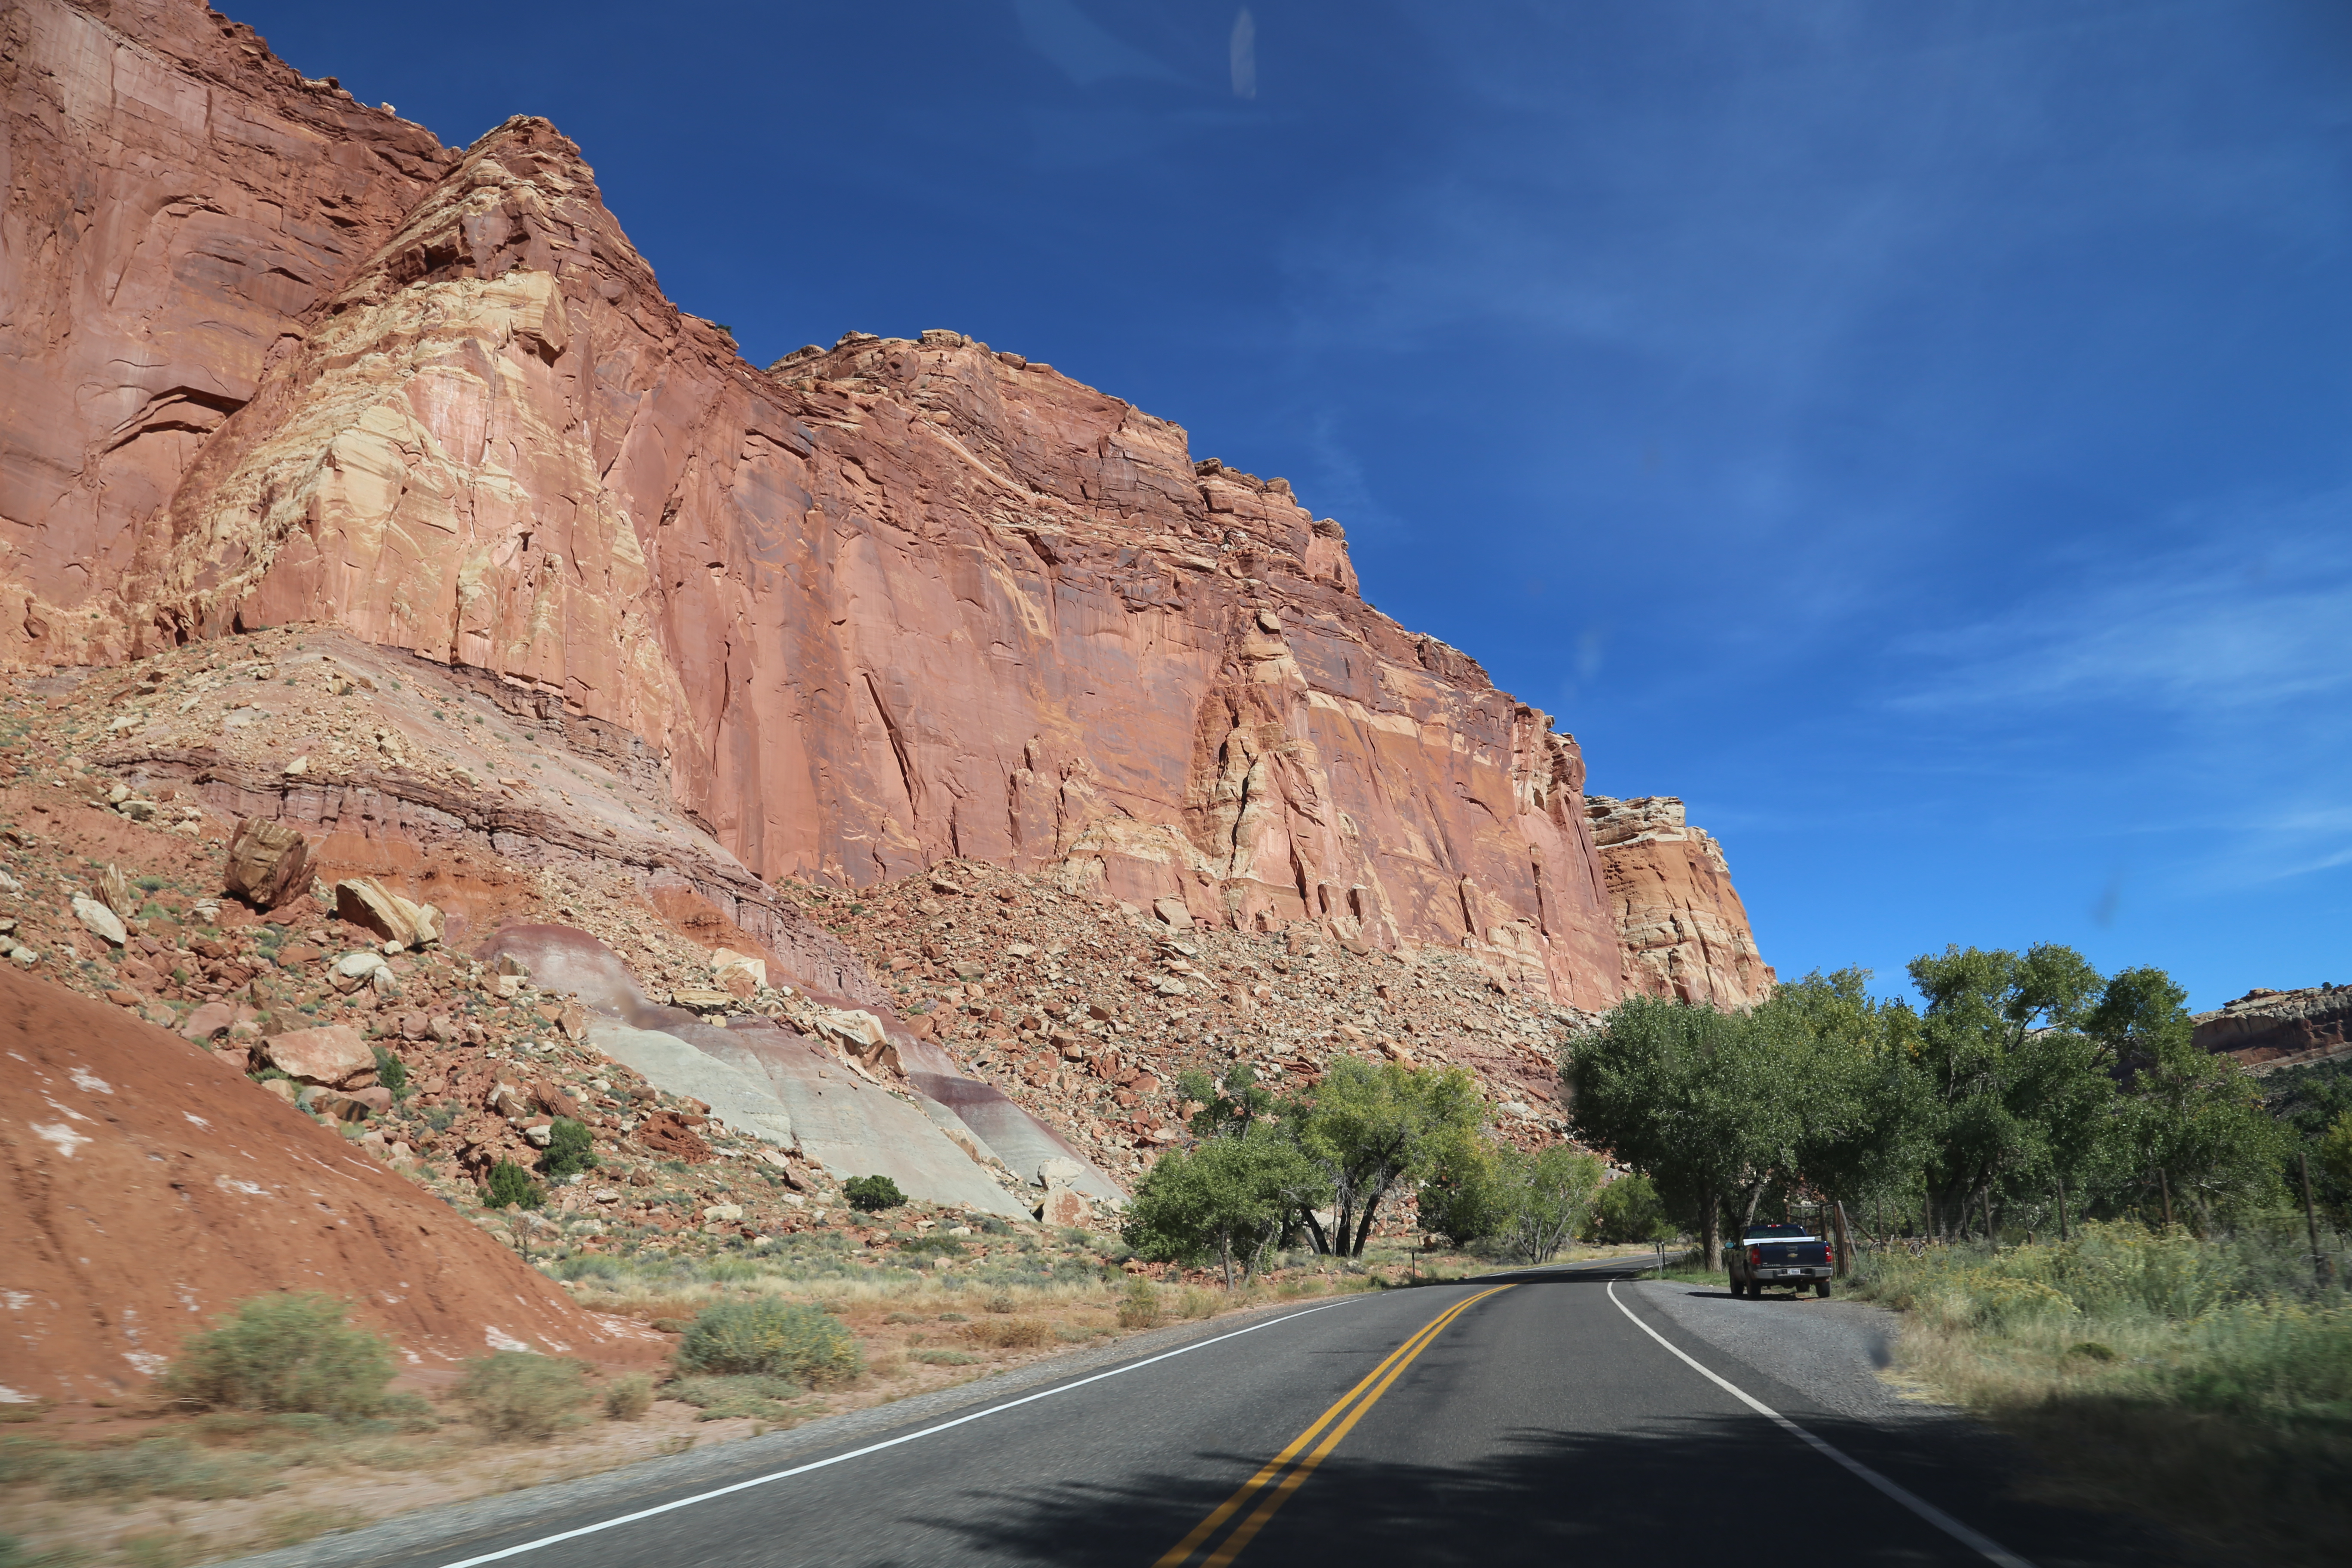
{"x": 2209, "y": 1383}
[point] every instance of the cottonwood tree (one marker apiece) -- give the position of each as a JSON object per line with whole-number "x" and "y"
{"x": 2195, "y": 1123}
{"x": 1371, "y": 1126}
{"x": 1702, "y": 1101}
{"x": 1226, "y": 1199}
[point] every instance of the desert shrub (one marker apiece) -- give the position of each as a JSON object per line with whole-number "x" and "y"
{"x": 1196, "y": 1302}
{"x": 514, "y": 1394}
{"x": 627, "y": 1398}
{"x": 999, "y": 1303}
{"x": 754, "y": 1396}
{"x": 1010, "y": 1333}
{"x": 588, "y": 1266}
{"x": 766, "y": 1336}
{"x": 510, "y": 1186}
{"x": 1138, "y": 1305}
{"x": 570, "y": 1150}
{"x": 156, "y": 1467}
{"x": 284, "y": 1352}
{"x": 390, "y": 1072}
{"x": 943, "y": 1358}
{"x": 872, "y": 1195}
{"x": 730, "y": 1270}
{"x": 933, "y": 1245}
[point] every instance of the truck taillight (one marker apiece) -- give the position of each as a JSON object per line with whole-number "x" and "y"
{"x": 1755, "y": 1255}
{"x": 1829, "y": 1249}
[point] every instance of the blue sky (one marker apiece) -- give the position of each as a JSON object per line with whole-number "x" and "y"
{"x": 1918, "y": 435}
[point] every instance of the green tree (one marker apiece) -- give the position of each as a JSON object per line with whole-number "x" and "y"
{"x": 1629, "y": 1210}
{"x": 1228, "y": 1197}
{"x": 2018, "y": 1094}
{"x": 2197, "y": 1127}
{"x": 1545, "y": 1197}
{"x": 570, "y": 1150}
{"x": 1229, "y": 1109}
{"x": 2335, "y": 1148}
{"x": 1461, "y": 1195}
{"x": 1370, "y": 1127}
{"x": 1701, "y": 1101}
{"x": 872, "y": 1195}
{"x": 510, "y": 1186}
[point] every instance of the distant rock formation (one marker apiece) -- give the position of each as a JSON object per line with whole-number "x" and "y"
{"x": 272, "y": 357}
{"x": 2269, "y": 1030}
{"x": 1683, "y": 928}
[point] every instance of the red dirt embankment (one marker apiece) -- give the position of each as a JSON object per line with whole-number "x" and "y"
{"x": 145, "y": 1188}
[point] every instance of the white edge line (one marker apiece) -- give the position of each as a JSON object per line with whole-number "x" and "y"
{"x": 889, "y": 1443}
{"x": 1982, "y": 1545}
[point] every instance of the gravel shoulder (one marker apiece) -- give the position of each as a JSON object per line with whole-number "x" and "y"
{"x": 1838, "y": 1354}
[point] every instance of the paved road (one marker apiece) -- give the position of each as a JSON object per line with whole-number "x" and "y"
{"x": 1538, "y": 1421}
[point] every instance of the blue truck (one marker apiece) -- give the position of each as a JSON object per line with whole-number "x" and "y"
{"x": 1787, "y": 1256}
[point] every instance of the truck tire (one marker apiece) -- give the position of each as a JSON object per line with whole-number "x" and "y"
{"x": 1820, "y": 1287}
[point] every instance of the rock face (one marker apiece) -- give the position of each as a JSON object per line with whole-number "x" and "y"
{"x": 876, "y": 605}
{"x": 2266, "y": 1029}
{"x": 1683, "y": 927}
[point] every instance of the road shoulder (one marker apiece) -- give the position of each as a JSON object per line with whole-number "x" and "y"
{"x": 567, "y": 1504}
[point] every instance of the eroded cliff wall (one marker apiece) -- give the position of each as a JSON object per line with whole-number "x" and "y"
{"x": 878, "y": 604}
{"x": 1683, "y": 930}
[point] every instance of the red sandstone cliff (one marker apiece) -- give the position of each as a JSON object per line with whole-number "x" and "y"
{"x": 1683, "y": 928}
{"x": 270, "y": 357}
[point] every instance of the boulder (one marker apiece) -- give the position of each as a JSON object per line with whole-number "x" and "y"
{"x": 269, "y": 863}
{"x": 366, "y": 903}
{"x": 333, "y": 1104}
{"x": 724, "y": 961}
{"x": 212, "y": 1019}
{"x": 99, "y": 921}
{"x": 1064, "y": 1206}
{"x": 330, "y": 1055}
{"x": 354, "y": 970}
{"x": 115, "y": 890}
{"x": 1171, "y": 911}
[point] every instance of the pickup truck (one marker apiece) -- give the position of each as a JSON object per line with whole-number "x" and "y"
{"x": 1786, "y": 1255}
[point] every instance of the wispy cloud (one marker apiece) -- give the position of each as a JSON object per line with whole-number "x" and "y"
{"x": 2252, "y": 620}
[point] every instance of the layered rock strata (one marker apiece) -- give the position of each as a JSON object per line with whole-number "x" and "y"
{"x": 871, "y": 607}
{"x": 2267, "y": 1029}
{"x": 1683, "y": 930}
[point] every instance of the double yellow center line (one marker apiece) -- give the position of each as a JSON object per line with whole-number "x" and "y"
{"x": 1281, "y": 1477}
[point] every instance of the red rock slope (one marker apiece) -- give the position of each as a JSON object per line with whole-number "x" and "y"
{"x": 145, "y": 1187}
{"x": 878, "y": 605}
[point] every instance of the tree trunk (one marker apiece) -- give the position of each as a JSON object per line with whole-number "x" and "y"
{"x": 1225, "y": 1253}
{"x": 1364, "y": 1226}
{"x": 1710, "y": 1228}
{"x": 1315, "y": 1229}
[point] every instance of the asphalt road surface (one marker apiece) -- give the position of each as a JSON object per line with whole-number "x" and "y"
{"x": 1535, "y": 1417}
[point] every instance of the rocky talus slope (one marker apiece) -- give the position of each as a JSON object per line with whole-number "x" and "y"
{"x": 870, "y": 607}
{"x": 431, "y": 994}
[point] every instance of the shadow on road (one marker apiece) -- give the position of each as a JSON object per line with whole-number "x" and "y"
{"x": 1701, "y": 1489}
